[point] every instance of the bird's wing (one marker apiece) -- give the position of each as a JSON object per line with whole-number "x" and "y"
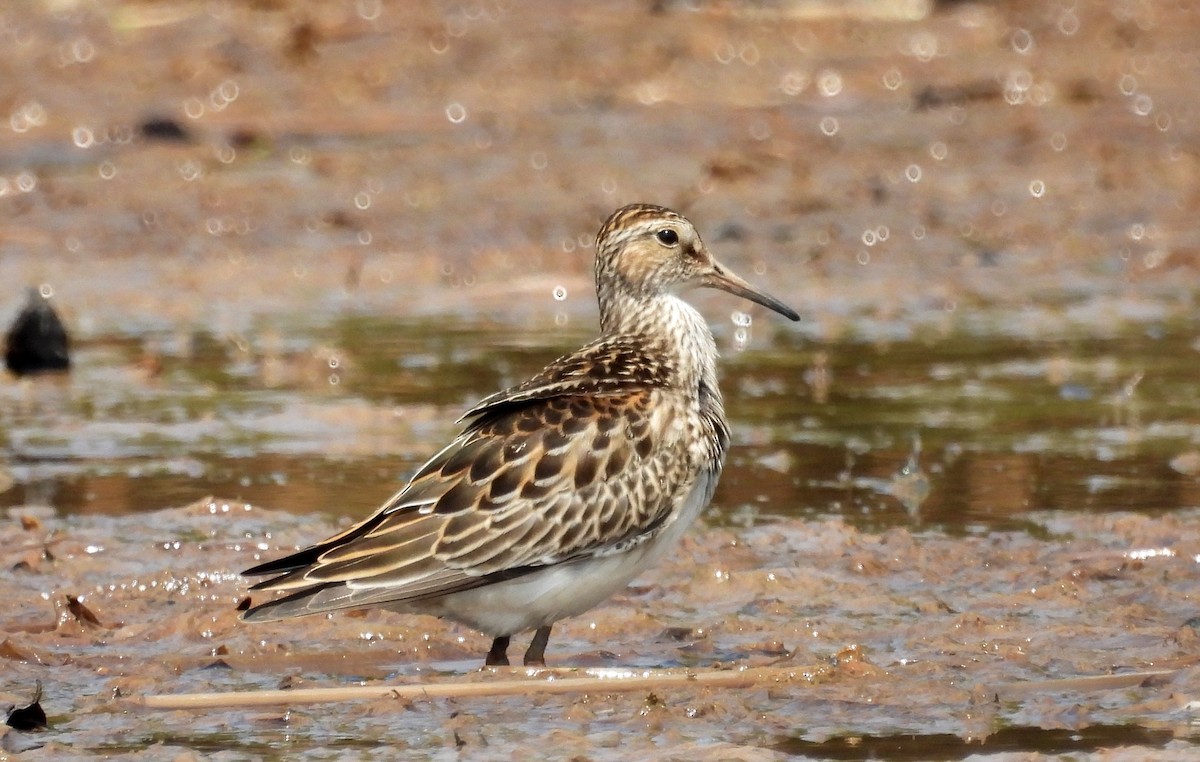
{"x": 539, "y": 476}
{"x": 609, "y": 365}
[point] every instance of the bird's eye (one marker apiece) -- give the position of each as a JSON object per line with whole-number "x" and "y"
{"x": 667, "y": 237}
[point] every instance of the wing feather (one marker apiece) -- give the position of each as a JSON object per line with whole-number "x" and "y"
{"x": 548, "y": 471}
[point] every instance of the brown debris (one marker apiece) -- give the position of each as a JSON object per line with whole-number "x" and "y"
{"x": 82, "y": 613}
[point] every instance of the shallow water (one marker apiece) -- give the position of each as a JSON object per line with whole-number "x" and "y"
{"x": 961, "y": 432}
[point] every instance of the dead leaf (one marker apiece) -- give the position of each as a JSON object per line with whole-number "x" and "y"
{"x": 82, "y": 613}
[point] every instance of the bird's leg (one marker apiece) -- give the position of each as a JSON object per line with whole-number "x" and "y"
{"x": 534, "y": 657}
{"x": 498, "y": 655}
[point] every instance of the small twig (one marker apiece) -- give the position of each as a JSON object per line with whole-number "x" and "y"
{"x": 546, "y": 681}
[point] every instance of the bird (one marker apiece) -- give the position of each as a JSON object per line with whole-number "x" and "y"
{"x": 36, "y": 341}
{"x": 559, "y": 490}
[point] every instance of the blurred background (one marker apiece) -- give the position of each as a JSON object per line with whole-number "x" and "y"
{"x": 292, "y": 241}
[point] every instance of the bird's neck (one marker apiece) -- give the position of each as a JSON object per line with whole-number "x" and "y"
{"x": 670, "y": 327}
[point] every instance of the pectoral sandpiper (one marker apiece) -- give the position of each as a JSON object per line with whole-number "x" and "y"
{"x": 559, "y": 490}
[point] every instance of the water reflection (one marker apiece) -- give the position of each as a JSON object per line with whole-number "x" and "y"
{"x": 1004, "y": 426}
{"x": 945, "y": 746}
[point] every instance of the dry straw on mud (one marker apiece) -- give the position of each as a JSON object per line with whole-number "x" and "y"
{"x": 543, "y": 681}
{"x": 600, "y": 681}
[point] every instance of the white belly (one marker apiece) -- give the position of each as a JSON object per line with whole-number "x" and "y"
{"x": 564, "y": 590}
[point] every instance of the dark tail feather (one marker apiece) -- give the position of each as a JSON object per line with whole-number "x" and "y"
{"x": 297, "y": 560}
{"x": 309, "y": 556}
{"x": 288, "y": 606}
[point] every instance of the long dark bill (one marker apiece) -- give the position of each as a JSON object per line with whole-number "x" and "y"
{"x": 722, "y": 278}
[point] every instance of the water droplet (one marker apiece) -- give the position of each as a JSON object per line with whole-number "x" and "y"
{"x": 362, "y": 200}
{"x": 938, "y": 151}
{"x": 190, "y": 170}
{"x": 538, "y": 160}
{"x": 749, "y": 54}
{"x": 300, "y": 155}
{"x": 1037, "y": 188}
{"x": 1022, "y": 41}
{"x": 215, "y": 102}
{"x": 608, "y": 185}
{"x": 120, "y": 134}
{"x": 829, "y": 83}
{"x": 82, "y": 137}
{"x": 1058, "y": 141}
{"x": 1128, "y": 84}
{"x": 26, "y": 182}
{"x": 863, "y": 258}
{"x": 793, "y": 83}
{"x": 107, "y": 170}
{"x": 759, "y": 130}
{"x": 27, "y": 116}
{"x": 869, "y": 238}
{"x": 568, "y": 245}
{"x": 82, "y": 50}
{"x": 724, "y": 53}
{"x": 560, "y": 293}
{"x": 365, "y": 237}
{"x": 999, "y": 208}
{"x": 829, "y": 125}
{"x": 1143, "y": 104}
{"x": 923, "y": 46}
{"x": 1137, "y": 231}
{"x": 46, "y": 290}
{"x": 739, "y": 338}
{"x": 1016, "y": 86}
{"x": 892, "y": 79}
{"x": 456, "y": 113}
{"x": 439, "y": 43}
{"x": 918, "y": 232}
{"x": 456, "y": 26}
{"x": 650, "y": 93}
{"x": 193, "y": 108}
{"x": 226, "y": 154}
{"x": 883, "y": 232}
{"x": 369, "y": 10}
{"x": 913, "y": 173}
{"x": 1068, "y": 22}
{"x": 743, "y": 319}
